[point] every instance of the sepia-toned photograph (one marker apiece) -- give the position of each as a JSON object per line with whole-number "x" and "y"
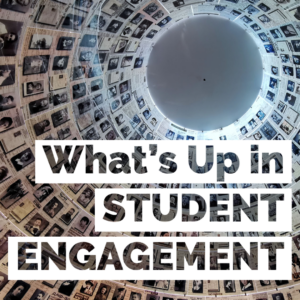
{"x": 36, "y": 225}
{"x": 53, "y": 207}
{"x": 33, "y": 88}
{"x": 35, "y": 64}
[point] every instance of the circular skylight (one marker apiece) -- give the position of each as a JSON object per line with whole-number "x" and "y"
{"x": 204, "y": 73}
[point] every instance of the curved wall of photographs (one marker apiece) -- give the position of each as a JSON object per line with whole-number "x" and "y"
{"x": 77, "y": 70}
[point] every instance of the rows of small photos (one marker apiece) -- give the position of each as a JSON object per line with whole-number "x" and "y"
{"x": 77, "y": 70}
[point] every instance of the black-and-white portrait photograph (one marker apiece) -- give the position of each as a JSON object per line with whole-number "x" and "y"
{"x": 7, "y": 101}
{"x": 263, "y": 37}
{"x": 142, "y": 28}
{"x": 127, "y": 32}
{"x": 229, "y": 286}
{"x": 289, "y": 30}
{"x": 42, "y": 127}
{"x": 274, "y": 70}
{"x": 243, "y": 130}
{"x": 36, "y": 225}
{"x": 286, "y": 127}
{"x": 86, "y": 56}
{"x": 21, "y": 6}
{"x": 264, "y": 19}
{"x": 170, "y": 134}
{"x": 18, "y": 291}
{"x": 35, "y": 64}
{"x": 251, "y": 10}
{"x": 83, "y": 5}
{"x": 112, "y": 92}
{"x": 105, "y": 126}
{"x": 65, "y": 43}
{"x": 278, "y": 296}
{"x": 268, "y": 131}
{"x": 60, "y": 98}
{"x": 138, "y": 62}
{"x": 290, "y": 86}
{"x": 41, "y": 41}
{"x": 86, "y": 197}
{"x": 125, "y": 98}
{"x": 269, "y": 48}
{"x": 78, "y": 72}
{"x": 79, "y": 90}
{"x": 113, "y": 63}
{"x": 158, "y": 15}
{"x": 276, "y": 117}
{"x": 111, "y": 135}
{"x": 5, "y": 173}
{"x": 137, "y": 18}
{"x": 95, "y": 72}
{"x": 273, "y": 83}
{"x": 68, "y": 216}
{"x": 296, "y": 45}
{"x": 60, "y": 63}
{"x": 164, "y": 21}
{"x": 157, "y": 284}
{"x": 64, "y": 133}
{"x": 55, "y": 230}
{"x": 288, "y": 70}
{"x": 246, "y": 285}
{"x": 246, "y": 19}
{"x": 114, "y": 26}
{"x": 120, "y": 119}
{"x": 140, "y": 102}
{"x": 43, "y": 192}
{"x": 147, "y": 114}
{"x": 123, "y": 87}
{"x": 98, "y": 22}
{"x": 151, "y": 8}
{"x": 126, "y": 13}
{"x": 219, "y": 7}
{"x": 151, "y": 34}
{"x": 7, "y": 75}
{"x": 290, "y": 99}
{"x": 13, "y": 193}
{"x": 276, "y": 33}
{"x": 67, "y": 287}
{"x": 33, "y": 88}
{"x": 178, "y": 3}
{"x": 263, "y": 7}
{"x": 285, "y": 58}
{"x": 82, "y": 224}
{"x": 60, "y": 117}
{"x": 99, "y": 58}
{"x": 255, "y": 27}
{"x": 197, "y": 286}
{"x": 126, "y": 61}
{"x": 53, "y": 207}
{"x": 72, "y": 22}
{"x": 88, "y": 40}
{"x": 135, "y": 296}
{"x": 103, "y": 292}
{"x": 96, "y": 85}
{"x": 39, "y": 295}
{"x": 135, "y": 121}
{"x": 22, "y": 159}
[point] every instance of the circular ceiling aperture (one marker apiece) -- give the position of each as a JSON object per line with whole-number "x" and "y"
{"x": 204, "y": 73}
